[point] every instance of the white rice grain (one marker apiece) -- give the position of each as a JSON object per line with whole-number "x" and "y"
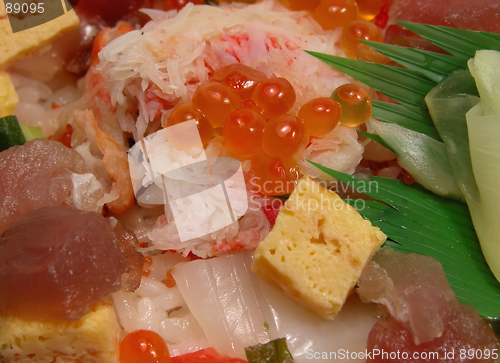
{"x": 170, "y": 300}
{"x": 126, "y": 310}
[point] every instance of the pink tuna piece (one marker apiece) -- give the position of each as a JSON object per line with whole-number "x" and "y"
{"x": 55, "y": 262}
{"x": 483, "y": 15}
{"x": 465, "y": 339}
{"x": 35, "y": 175}
{"x": 425, "y": 314}
{"x": 414, "y": 289}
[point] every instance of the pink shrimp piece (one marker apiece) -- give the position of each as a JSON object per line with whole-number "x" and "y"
{"x": 115, "y": 162}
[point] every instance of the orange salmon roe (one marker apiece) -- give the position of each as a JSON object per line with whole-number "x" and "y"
{"x": 275, "y": 176}
{"x": 148, "y": 260}
{"x": 368, "y": 9}
{"x": 359, "y": 29}
{"x": 333, "y": 14}
{"x": 187, "y": 112}
{"x": 169, "y": 280}
{"x": 248, "y": 103}
{"x": 356, "y": 104}
{"x": 249, "y": 113}
{"x": 282, "y": 136}
{"x": 241, "y": 78}
{"x": 242, "y": 131}
{"x": 215, "y": 100}
{"x": 143, "y": 346}
{"x": 320, "y": 116}
{"x": 275, "y": 96}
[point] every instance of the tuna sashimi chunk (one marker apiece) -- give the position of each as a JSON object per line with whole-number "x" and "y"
{"x": 425, "y": 315}
{"x": 414, "y": 289}
{"x": 465, "y": 339}
{"x": 55, "y": 262}
{"x": 481, "y": 15}
{"x": 35, "y": 175}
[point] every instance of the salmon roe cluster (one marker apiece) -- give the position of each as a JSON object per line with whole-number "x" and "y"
{"x": 357, "y": 19}
{"x": 252, "y": 114}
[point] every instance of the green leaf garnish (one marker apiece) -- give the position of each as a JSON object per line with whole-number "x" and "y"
{"x": 418, "y": 221}
{"x": 459, "y": 42}
{"x": 434, "y": 66}
{"x": 275, "y": 351}
{"x": 402, "y": 85}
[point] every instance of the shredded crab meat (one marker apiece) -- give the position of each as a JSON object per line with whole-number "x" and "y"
{"x": 243, "y": 234}
{"x": 174, "y": 54}
{"x": 339, "y": 150}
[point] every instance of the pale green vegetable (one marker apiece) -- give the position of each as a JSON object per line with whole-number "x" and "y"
{"x": 485, "y": 67}
{"x": 422, "y": 156}
{"x": 31, "y": 132}
{"x": 483, "y": 124}
{"x": 448, "y": 103}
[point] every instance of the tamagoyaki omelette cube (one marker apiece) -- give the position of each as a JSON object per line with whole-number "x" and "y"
{"x": 14, "y": 46}
{"x": 317, "y": 249}
{"x": 94, "y": 338}
{"x": 8, "y": 95}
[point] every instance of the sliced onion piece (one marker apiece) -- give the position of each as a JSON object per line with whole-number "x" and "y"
{"x": 219, "y": 294}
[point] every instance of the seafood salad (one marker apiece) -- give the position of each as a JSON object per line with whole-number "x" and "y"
{"x": 170, "y": 181}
